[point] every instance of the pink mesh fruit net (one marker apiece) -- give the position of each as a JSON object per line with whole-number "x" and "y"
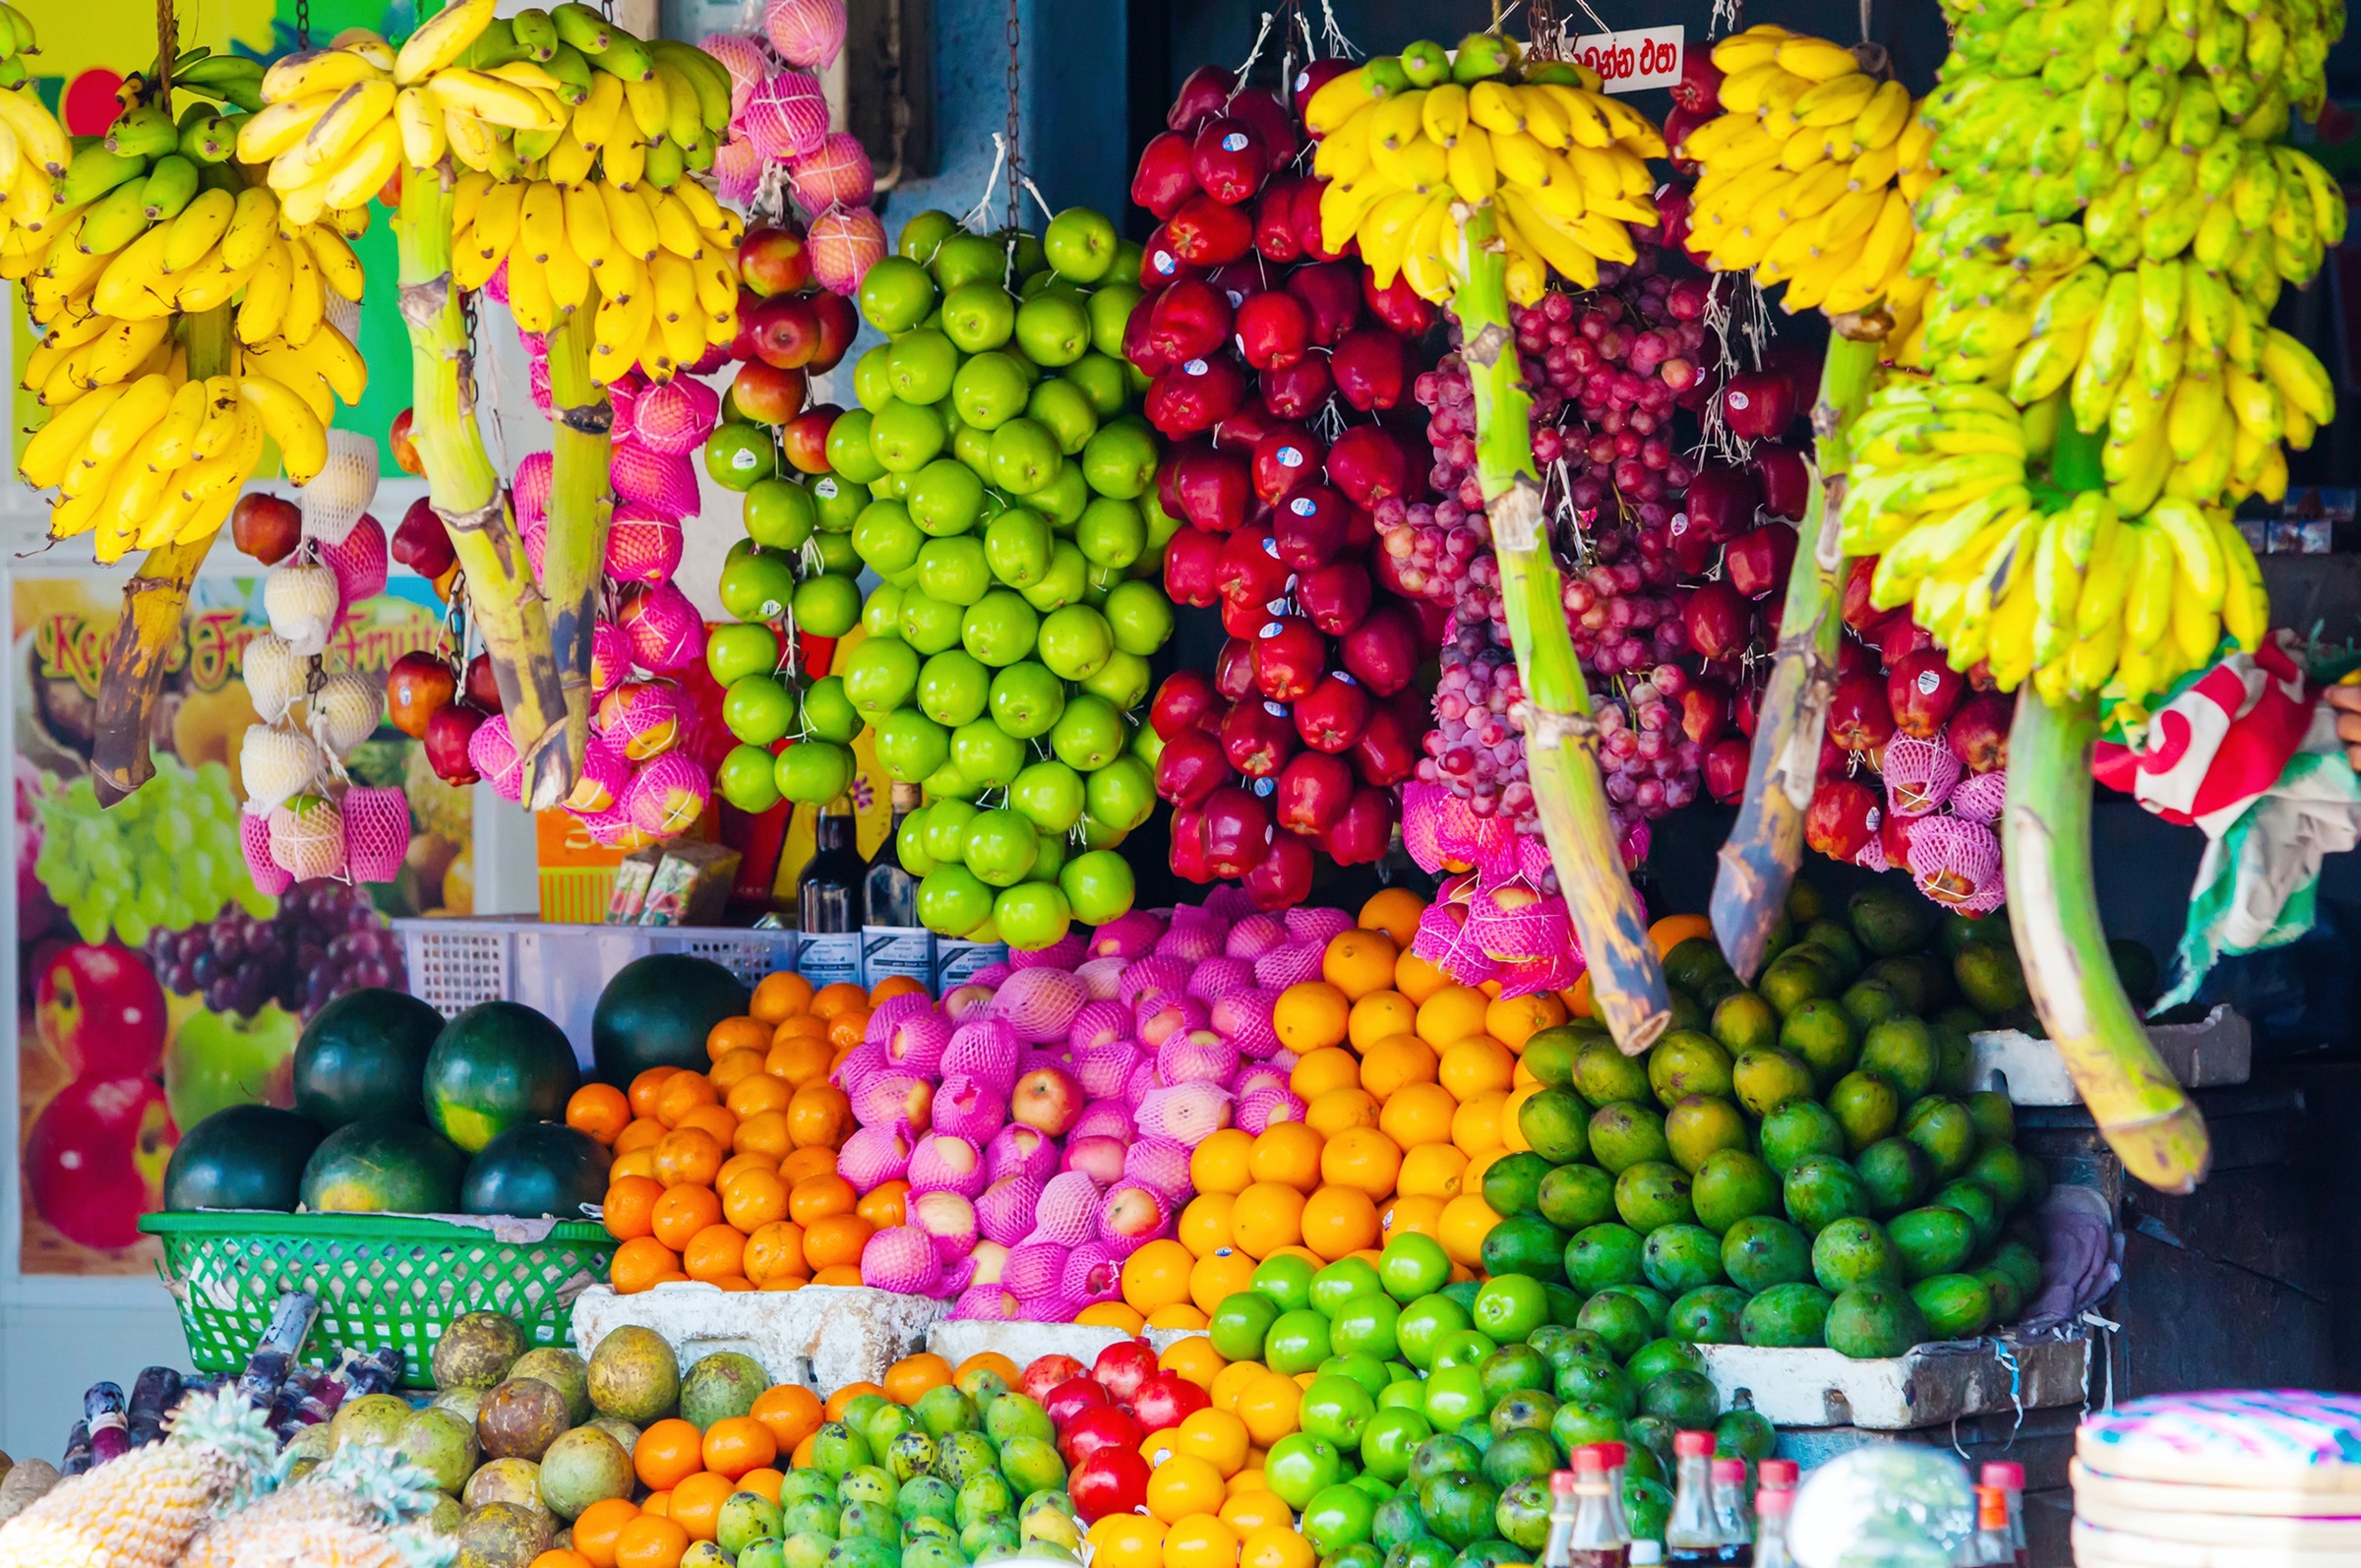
{"x": 1160, "y": 1163}
{"x": 1040, "y": 1004}
{"x": 1216, "y": 978}
{"x": 1131, "y": 935}
{"x": 945, "y": 1162}
{"x": 307, "y": 837}
{"x": 1244, "y": 1018}
{"x": 1287, "y": 965}
{"x": 986, "y": 1048}
{"x": 1143, "y": 1082}
{"x": 359, "y": 560}
{"x": 1307, "y": 923}
{"x": 1872, "y": 855}
{"x": 738, "y": 166}
{"x": 1094, "y": 1273}
{"x": 1019, "y": 1150}
{"x": 836, "y": 174}
{"x": 1919, "y": 775}
{"x": 667, "y": 796}
{"x": 845, "y": 244}
{"x": 1981, "y": 797}
{"x": 675, "y": 419}
{"x": 377, "y": 832}
{"x": 604, "y": 774}
{"x": 665, "y": 630}
{"x": 742, "y": 57}
{"x": 1100, "y": 1021}
{"x": 1004, "y": 1211}
{"x": 805, "y": 33}
{"x": 1553, "y": 973}
{"x": 1070, "y": 1209}
{"x": 1159, "y": 973}
{"x": 534, "y": 536}
{"x": 537, "y": 372}
{"x": 985, "y": 1303}
{"x": 610, "y": 656}
{"x": 254, "y": 840}
{"x": 663, "y": 481}
{"x": 1532, "y": 860}
{"x": 1517, "y": 923}
{"x": 1102, "y": 1119}
{"x": 1422, "y": 823}
{"x": 642, "y": 717}
{"x": 528, "y": 491}
{"x": 1254, "y": 935}
{"x": 1259, "y": 1109}
{"x": 1194, "y": 940}
{"x": 1103, "y": 1071}
{"x": 1186, "y": 1112}
{"x": 1197, "y": 1058}
{"x": 642, "y": 545}
{"x": 785, "y": 115}
{"x": 1063, "y": 953}
{"x": 991, "y": 975}
{"x": 491, "y": 753}
{"x": 1956, "y": 864}
{"x": 1102, "y": 976}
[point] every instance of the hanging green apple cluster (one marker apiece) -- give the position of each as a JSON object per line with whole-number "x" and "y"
{"x": 1011, "y": 513}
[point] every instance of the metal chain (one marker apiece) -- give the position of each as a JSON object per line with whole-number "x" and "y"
{"x": 1015, "y": 102}
{"x": 1541, "y": 20}
{"x": 303, "y": 24}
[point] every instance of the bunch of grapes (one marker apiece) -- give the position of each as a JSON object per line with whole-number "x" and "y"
{"x": 326, "y": 940}
{"x": 166, "y": 856}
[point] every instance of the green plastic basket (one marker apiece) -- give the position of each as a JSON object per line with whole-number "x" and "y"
{"x": 380, "y": 1279}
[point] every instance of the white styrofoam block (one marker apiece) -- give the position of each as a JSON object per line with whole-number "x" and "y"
{"x": 822, "y": 1336}
{"x": 1930, "y": 1385}
{"x": 955, "y": 1340}
{"x": 2216, "y": 1051}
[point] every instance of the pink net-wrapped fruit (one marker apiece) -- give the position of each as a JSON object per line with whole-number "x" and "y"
{"x": 949, "y": 1218}
{"x": 1040, "y": 1004}
{"x": 1019, "y": 1150}
{"x": 641, "y": 717}
{"x": 529, "y": 490}
{"x": 254, "y": 840}
{"x": 493, "y": 754}
{"x": 377, "y": 832}
{"x": 604, "y": 776}
{"x": 1185, "y": 1114}
{"x": 1069, "y": 1211}
{"x": 667, "y": 796}
{"x": 838, "y": 173}
{"x": 901, "y": 1258}
{"x": 970, "y": 1108}
{"x": 1160, "y": 1163}
{"x": 307, "y": 837}
{"x": 642, "y": 545}
{"x": 785, "y": 116}
{"x": 1956, "y": 864}
{"x": 742, "y": 57}
{"x": 805, "y": 33}
{"x": 947, "y": 1165}
{"x": 875, "y": 1156}
{"x": 1263, "y": 1107}
{"x": 738, "y": 166}
{"x": 845, "y": 244}
{"x": 610, "y": 656}
{"x": 662, "y": 481}
{"x": 359, "y": 560}
{"x": 674, "y": 419}
{"x": 665, "y": 630}
{"x": 1004, "y": 1209}
{"x": 1919, "y": 775}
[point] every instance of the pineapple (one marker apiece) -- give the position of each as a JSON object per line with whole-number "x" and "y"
{"x": 141, "y": 1510}
{"x": 349, "y": 1512}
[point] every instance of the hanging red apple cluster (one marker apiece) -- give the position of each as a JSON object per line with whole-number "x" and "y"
{"x": 1281, "y": 379}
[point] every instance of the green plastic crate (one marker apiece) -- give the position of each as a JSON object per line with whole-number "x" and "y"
{"x": 381, "y": 1279}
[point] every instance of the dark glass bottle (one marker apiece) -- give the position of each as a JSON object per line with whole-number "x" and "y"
{"x": 892, "y": 942}
{"x": 828, "y": 901}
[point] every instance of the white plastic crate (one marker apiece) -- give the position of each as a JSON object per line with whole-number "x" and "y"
{"x": 560, "y": 970}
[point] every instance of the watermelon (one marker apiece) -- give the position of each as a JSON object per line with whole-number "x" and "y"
{"x": 495, "y": 1066}
{"x": 539, "y": 1168}
{"x": 657, "y": 1012}
{"x": 384, "y": 1166}
{"x": 362, "y": 1058}
{"x": 244, "y": 1157}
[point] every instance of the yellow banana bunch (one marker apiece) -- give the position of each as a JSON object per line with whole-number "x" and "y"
{"x": 1564, "y": 165}
{"x": 33, "y": 153}
{"x": 1808, "y": 175}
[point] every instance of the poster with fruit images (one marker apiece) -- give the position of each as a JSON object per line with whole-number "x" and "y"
{"x": 155, "y": 983}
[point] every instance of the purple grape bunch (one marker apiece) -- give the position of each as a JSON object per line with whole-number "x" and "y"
{"x": 326, "y": 940}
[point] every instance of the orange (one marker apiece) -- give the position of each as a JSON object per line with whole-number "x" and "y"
{"x": 1394, "y": 911}
{"x": 641, "y": 1132}
{"x": 1268, "y": 1407}
{"x": 1200, "y": 1540}
{"x": 1363, "y": 1159}
{"x": 638, "y": 1163}
{"x": 683, "y": 1092}
{"x": 763, "y": 1482}
{"x": 780, "y": 994}
{"x": 1378, "y": 1014}
{"x": 798, "y": 1057}
{"x": 1513, "y": 1020}
{"x": 1112, "y": 1314}
{"x": 842, "y": 998}
{"x": 696, "y": 1503}
{"x": 1212, "y": 1280}
{"x": 1183, "y": 1484}
{"x": 753, "y": 1201}
{"x": 1451, "y": 1015}
{"x": 1204, "y": 1227}
{"x": 757, "y": 1094}
{"x": 658, "y": 1504}
{"x": 640, "y": 1263}
{"x": 1577, "y": 997}
{"x": 818, "y": 1197}
{"x": 738, "y": 1165}
{"x": 791, "y": 1411}
{"x": 644, "y": 1089}
{"x": 554, "y": 1557}
{"x": 1275, "y": 1544}
{"x": 1157, "y": 1275}
{"x": 716, "y": 1252}
{"x": 819, "y": 1112}
{"x": 1673, "y": 929}
{"x": 1395, "y": 1062}
{"x": 1417, "y": 979}
{"x": 1340, "y": 1110}
{"x": 765, "y": 1132}
{"x": 1476, "y": 1125}
{"x": 682, "y": 1212}
{"x": 1215, "y": 1436}
{"x": 886, "y": 1204}
{"x": 847, "y": 1029}
{"x": 892, "y": 985}
{"x": 1431, "y": 1170}
{"x": 776, "y": 1251}
{"x": 1358, "y": 962}
{"x": 833, "y": 1410}
{"x": 1467, "y": 1220}
{"x": 1269, "y": 1216}
{"x": 912, "y": 1376}
{"x": 1127, "y": 1540}
{"x": 1478, "y": 1165}
{"x": 668, "y": 1453}
{"x": 733, "y": 1069}
{"x": 1193, "y": 1358}
{"x": 1230, "y": 1380}
{"x": 1416, "y": 1114}
{"x": 1247, "y": 1509}
{"x": 836, "y": 1241}
{"x": 988, "y": 1361}
{"x": 1309, "y": 1014}
{"x": 742, "y": 1033}
{"x": 715, "y": 1121}
{"x": 1219, "y": 1163}
{"x": 1328, "y": 1068}
{"x": 1412, "y": 1216}
{"x": 1181, "y": 1314}
{"x": 690, "y": 1156}
{"x": 1474, "y": 1065}
{"x": 600, "y": 1110}
{"x": 598, "y": 1526}
{"x": 627, "y": 1206}
{"x": 798, "y": 1163}
{"x": 650, "y": 1542}
{"x": 1338, "y": 1221}
{"x": 736, "y": 1444}
{"x": 838, "y": 1274}
{"x": 1512, "y": 1136}
{"x": 1287, "y": 1152}
{"x": 780, "y": 1284}
{"x": 802, "y": 1026}
{"x": 731, "y": 1282}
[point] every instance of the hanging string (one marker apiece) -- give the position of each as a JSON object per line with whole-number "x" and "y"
{"x": 167, "y": 49}
{"x": 1334, "y": 35}
{"x": 1238, "y": 84}
{"x": 1000, "y": 159}
{"x": 1034, "y": 191}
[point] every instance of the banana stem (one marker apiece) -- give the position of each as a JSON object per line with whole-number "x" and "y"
{"x": 2146, "y": 1116}
{"x": 155, "y": 603}
{"x": 466, "y": 493}
{"x": 1758, "y": 861}
{"x": 581, "y": 505}
{"x": 1628, "y": 984}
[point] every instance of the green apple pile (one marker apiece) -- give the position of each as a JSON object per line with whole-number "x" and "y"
{"x": 1007, "y": 490}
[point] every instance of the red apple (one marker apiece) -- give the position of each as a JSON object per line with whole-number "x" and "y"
{"x": 418, "y": 685}
{"x": 1160, "y": 262}
{"x": 1233, "y": 669}
{"x": 1336, "y": 597}
{"x": 1275, "y": 222}
{"x": 1112, "y": 1481}
{"x": 767, "y": 393}
{"x": 1720, "y": 502}
{"x": 1206, "y": 93}
{"x": 1204, "y": 232}
{"x": 1237, "y": 829}
{"x": 1705, "y": 711}
{"x": 1187, "y": 320}
{"x": 1331, "y": 292}
{"x": 1191, "y": 765}
{"x": 1859, "y": 613}
{"x": 783, "y": 331}
{"x": 773, "y": 260}
{"x": 1387, "y": 752}
{"x": 1309, "y": 527}
{"x": 1787, "y": 484}
{"x": 1313, "y": 77}
{"x": 1191, "y": 557}
{"x": 1243, "y": 618}
{"x": 1212, "y": 488}
{"x": 1282, "y": 879}
{"x": 1758, "y": 405}
{"x": 1368, "y": 465}
{"x": 1893, "y": 835}
{"x": 421, "y": 542}
{"x": 1899, "y": 638}
{"x": 480, "y": 686}
{"x": 1844, "y": 817}
{"x": 1677, "y": 126}
{"x": 1256, "y": 740}
{"x": 1244, "y": 429}
{"x": 1228, "y": 159}
{"x": 265, "y": 527}
{"x": 1398, "y": 305}
{"x": 1699, "y": 88}
{"x": 1858, "y": 717}
{"x": 1334, "y": 713}
{"x": 1371, "y": 368}
{"x": 1273, "y": 330}
{"x": 405, "y": 450}
{"x": 1194, "y": 397}
{"x": 1288, "y": 657}
{"x": 1165, "y": 177}
{"x": 1181, "y": 703}
{"x": 1724, "y": 766}
{"x": 95, "y": 1159}
{"x": 1297, "y": 391}
{"x": 1310, "y": 233}
{"x": 1250, "y": 569}
{"x": 1361, "y": 836}
{"x": 449, "y": 729}
{"x": 839, "y": 323}
{"x": 1978, "y": 732}
{"x": 101, "y": 1012}
{"x": 1757, "y": 561}
{"x": 1716, "y": 619}
{"x": 1284, "y": 457}
{"x": 1046, "y": 1099}
{"x": 1281, "y": 140}
{"x": 1313, "y": 790}
{"x": 805, "y": 439}
{"x": 1045, "y": 1372}
{"x": 1383, "y": 651}
{"x": 1924, "y": 691}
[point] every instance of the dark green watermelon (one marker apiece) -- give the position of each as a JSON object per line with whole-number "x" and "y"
{"x": 657, "y": 1012}
{"x": 362, "y": 1058}
{"x": 384, "y": 1166}
{"x": 245, "y": 1157}
{"x": 539, "y": 1167}
{"x": 495, "y": 1066}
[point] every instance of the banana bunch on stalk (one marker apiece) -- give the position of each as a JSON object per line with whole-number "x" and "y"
{"x": 1810, "y": 173}
{"x": 17, "y": 40}
{"x": 1402, "y": 137}
{"x": 2076, "y": 593}
{"x": 33, "y": 149}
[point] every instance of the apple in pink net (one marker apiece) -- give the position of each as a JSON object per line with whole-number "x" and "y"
{"x": 1047, "y": 1099}
{"x": 1101, "y": 1159}
{"x": 773, "y": 260}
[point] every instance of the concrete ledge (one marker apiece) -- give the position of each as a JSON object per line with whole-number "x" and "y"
{"x": 1932, "y": 1385}
{"x": 822, "y": 1336}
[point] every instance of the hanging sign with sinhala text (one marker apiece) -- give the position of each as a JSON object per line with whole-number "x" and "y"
{"x": 1627, "y": 61}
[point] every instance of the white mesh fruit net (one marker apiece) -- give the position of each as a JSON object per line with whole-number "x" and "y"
{"x": 336, "y": 496}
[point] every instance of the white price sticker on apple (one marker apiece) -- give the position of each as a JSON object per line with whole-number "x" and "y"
{"x": 1626, "y": 62}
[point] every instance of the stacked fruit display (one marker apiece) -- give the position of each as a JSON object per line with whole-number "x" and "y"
{"x": 1009, "y": 512}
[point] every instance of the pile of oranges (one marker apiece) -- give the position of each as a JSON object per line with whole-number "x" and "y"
{"x": 1411, "y": 1086}
{"x": 729, "y": 1175}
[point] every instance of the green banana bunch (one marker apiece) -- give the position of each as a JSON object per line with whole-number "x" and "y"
{"x": 224, "y": 78}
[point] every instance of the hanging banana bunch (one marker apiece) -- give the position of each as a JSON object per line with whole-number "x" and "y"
{"x": 33, "y": 150}
{"x": 1405, "y": 136}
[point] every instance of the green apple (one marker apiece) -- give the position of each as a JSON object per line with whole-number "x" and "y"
{"x": 828, "y": 604}
{"x": 828, "y": 713}
{"x": 1030, "y": 257}
{"x": 911, "y": 746}
{"x": 759, "y": 709}
{"x": 1063, "y": 583}
{"x": 814, "y": 772}
{"x": 779, "y": 514}
{"x": 924, "y": 233}
{"x": 990, "y": 390}
{"x": 1074, "y": 642}
{"x": 873, "y": 378}
{"x": 985, "y": 756}
{"x": 920, "y": 365}
{"x": 978, "y": 316}
{"x": 1032, "y": 915}
{"x": 910, "y": 842}
{"x": 836, "y": 554}
{"x": 881, "y": 612}
{"x": 1089, "y": 734}
{"x": 1027, "y": 699}
{"x": 927, "y": 623}
{"x": 749, "y": 778}
{"x": 1102, "y": 382}
{"x": 1052, "y": 327}
{"x": 1080, "y": 244}
{"x": 1098, "y": 884}
{"x": 1017, "y": 544}
{"x": 889, "y": 485}
{"x": 907, "y": 435}
{"x": 1111, "y": 534}
{"x": 1139, "y": 616}
{"x": 946, "y": 497}
{"x": 965, "y": 259}
{"x": 1128, "y": 258}
{"x": 836, "y": 504}
{"x": 948, "y": 783}
{"x": 1099, "y": 835}
{"x": 1063, "y": 409}
{"x": 1047, "y": 860}
{"x": 887, "y": 538}
{"x": 1064, "y": 499}
{"x": 946, "y": 830}
{"x": 1111, "y": 306}
{"x": 952, "y": 688}
{"x": 848, "y": 450}
{"x": 1147, "y": 744}
{"x": 954, "y": 570}
{"x": 758, "y": 586}
{"x": 1024, "y": 457}
{"x": 999, "y": 628}
{"x": 1123, "y": 680}
{"x": 952, "y": 900}
{"x": 1120, "y": 460}
{"x": 896, "y": 294}
{"x": 973, "y": 449}
{"x": 1050, "y": 794}
{"x": 880, "y": 675}
{"x": 1162, "y": 525}
{"x": 740, "y": 649}
{"x": 1122, "y": 794}
{"x": 1000, "y": 847}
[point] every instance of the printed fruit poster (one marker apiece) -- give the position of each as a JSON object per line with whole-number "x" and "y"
{"x": 156, "y": 985}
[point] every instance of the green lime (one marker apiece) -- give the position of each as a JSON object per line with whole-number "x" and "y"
{"x": 1336, "y": 1410}
{"x": 1240, "y": 1324}
{"x": 1286, "y": 1279}
{"x": 1365, "y": 1324}
{"x": 1336, "y": 1516}
{"x": 1390, "y": 1437}
{"x": 1298, "y": 1342}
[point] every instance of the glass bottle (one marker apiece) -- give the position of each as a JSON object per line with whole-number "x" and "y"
{"x": 2009, "y": 1476}
{"x": 892, "y": 942}
{"x": 1599, "y": 1538}
{"x": 1615, "y": 1457}
{"x": 1771, "y": 1505}
{"x": 1734, "y": 1516}
{"x": 1777, "y": 1475}
{"x": 1691, "y": 1534}
{"x": 828, "y": 901}
{"x": 1557, "y": 1551}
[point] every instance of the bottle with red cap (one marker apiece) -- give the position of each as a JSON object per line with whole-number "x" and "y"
{"x": 1691, "y": 1534}
{"x": 1599, "y": 1540}
{"x": 1565, "y": 1506}
{"x": 1618, "y": 1458}
{"x": 1777, "y": 1475}
{"x": 1733, "y": 1515}
{"x": 2008, "y": 1476}
{"x": 1989, "y": 1547}
{"x": 1770, "y": 1506}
